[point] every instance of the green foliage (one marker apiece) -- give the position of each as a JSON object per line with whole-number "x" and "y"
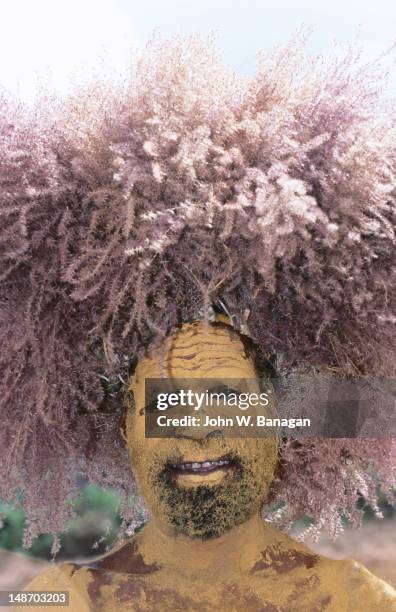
{"x": 387, "y": 509}
{"x": 93, "y": 530}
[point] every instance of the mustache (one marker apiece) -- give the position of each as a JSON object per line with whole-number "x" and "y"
{"x": 179, "y": 449}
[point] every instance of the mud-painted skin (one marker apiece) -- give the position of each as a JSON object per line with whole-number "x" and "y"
{"x": 238, "y": 562}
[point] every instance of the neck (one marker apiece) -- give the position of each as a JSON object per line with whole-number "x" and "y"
{"x": 234, "y": 551}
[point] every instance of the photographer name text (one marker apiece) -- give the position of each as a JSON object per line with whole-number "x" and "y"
{"x": 239, "y": 420}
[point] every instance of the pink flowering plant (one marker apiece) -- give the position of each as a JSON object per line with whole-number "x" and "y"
{"x": 128, "y": 206}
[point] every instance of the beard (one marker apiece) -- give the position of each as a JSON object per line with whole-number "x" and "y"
{"x": 208, "y": 511}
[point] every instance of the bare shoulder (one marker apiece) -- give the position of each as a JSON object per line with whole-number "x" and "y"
{"x": 367, "y": 590}
{"x": 59, "y": 578}
{"x": 359, "y": 588}
{"x": 307, "y": 580}
{"x": 57, "y": 574}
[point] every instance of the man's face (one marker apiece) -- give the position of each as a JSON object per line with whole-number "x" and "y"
{"x": 198, "y": 485}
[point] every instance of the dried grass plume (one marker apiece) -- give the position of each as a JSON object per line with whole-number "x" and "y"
{"x": 129, "y": 206}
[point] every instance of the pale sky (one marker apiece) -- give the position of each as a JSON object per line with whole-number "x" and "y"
{"x": 56, "y": 39}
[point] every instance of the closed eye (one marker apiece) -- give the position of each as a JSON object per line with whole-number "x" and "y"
{"x": 225, "y": 390}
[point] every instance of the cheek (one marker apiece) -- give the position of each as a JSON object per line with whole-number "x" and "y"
{"x": 141, "y": 449}
{"x": 262, "y": 455}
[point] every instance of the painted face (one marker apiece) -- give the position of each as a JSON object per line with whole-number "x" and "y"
{"x": 197, "y": 485}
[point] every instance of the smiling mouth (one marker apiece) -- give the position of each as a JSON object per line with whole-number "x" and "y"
{"x": 226, "y": 464}
{"x": 199, "y": 467}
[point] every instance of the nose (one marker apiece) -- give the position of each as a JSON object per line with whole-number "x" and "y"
{"x": 216, "y": 433}
{"x": 198, "y": 433}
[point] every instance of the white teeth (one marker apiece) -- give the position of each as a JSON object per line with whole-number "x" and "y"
{"x": 196, "y": 465}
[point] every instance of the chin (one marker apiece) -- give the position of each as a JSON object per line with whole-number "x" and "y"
{"x": 205, "y": 499}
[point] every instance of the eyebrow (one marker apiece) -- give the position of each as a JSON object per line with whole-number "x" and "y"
{"x": 224, "y": 389}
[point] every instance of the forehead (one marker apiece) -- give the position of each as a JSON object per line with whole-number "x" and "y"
{"x": 198, "y": 351}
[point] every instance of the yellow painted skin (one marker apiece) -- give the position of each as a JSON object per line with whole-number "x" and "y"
{"x": 251, "y": 566}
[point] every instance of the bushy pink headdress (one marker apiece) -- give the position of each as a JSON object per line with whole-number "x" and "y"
{"x": 128, "y": 207}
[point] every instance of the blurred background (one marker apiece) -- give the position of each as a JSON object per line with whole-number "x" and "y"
{"x": 56, "y": 43}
